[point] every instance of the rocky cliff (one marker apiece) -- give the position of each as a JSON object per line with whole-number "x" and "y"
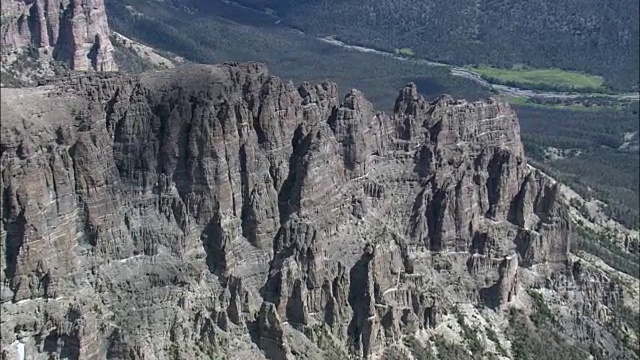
{"x": 219, "y": 211}
{"x": 74, "y": 32}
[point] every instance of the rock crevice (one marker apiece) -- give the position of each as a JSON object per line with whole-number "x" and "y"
{"x": 213, "y": 202}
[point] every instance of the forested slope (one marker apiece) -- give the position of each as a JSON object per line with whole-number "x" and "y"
{"x": 595, "y": 36}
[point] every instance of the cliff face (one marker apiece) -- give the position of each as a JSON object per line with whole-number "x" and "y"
{"x": 72, "y": 31}
{"x": 171, "y": 214}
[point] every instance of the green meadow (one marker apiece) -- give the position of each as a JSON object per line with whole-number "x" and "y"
{"x": 407, "y": 52}
{"x": 542, "y": 79}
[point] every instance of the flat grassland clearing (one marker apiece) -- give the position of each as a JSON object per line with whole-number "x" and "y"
{"x": 542, "y": 79}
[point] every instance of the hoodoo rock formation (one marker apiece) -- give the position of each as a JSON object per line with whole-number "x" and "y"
{"x": 211, "y": 210}
{"x": 74, "y": 32}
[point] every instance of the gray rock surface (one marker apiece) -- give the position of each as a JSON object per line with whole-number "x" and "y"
{"x": 219, "y": 211}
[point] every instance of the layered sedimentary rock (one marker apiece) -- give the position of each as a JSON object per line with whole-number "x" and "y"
{"x": 215, "y": 209}
{"x": 72, "y": 31}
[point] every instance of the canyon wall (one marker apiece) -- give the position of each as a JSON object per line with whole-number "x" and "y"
{"x": 217, "y": 210}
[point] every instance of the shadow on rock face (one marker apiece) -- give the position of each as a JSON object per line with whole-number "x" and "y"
{"x": 214, "y": 242}
{"x": 360, "y": 296}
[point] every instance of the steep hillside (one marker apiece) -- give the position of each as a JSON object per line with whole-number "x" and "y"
{"x": 217, "y": 211}
{"x": 591, "y": 150}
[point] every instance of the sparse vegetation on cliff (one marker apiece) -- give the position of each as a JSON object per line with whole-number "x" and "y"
{"x": 536, "y": 341}
{"x": 470, "y": 335}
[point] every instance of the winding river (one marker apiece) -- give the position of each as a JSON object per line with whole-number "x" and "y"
{"x": 276, "y": 20}
{"x": 468, "y": 74}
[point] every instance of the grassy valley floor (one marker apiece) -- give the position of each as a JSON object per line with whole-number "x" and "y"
{"x": 542, "y": 79}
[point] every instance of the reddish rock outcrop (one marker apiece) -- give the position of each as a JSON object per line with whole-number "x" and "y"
{"x": 75, "y": 32}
